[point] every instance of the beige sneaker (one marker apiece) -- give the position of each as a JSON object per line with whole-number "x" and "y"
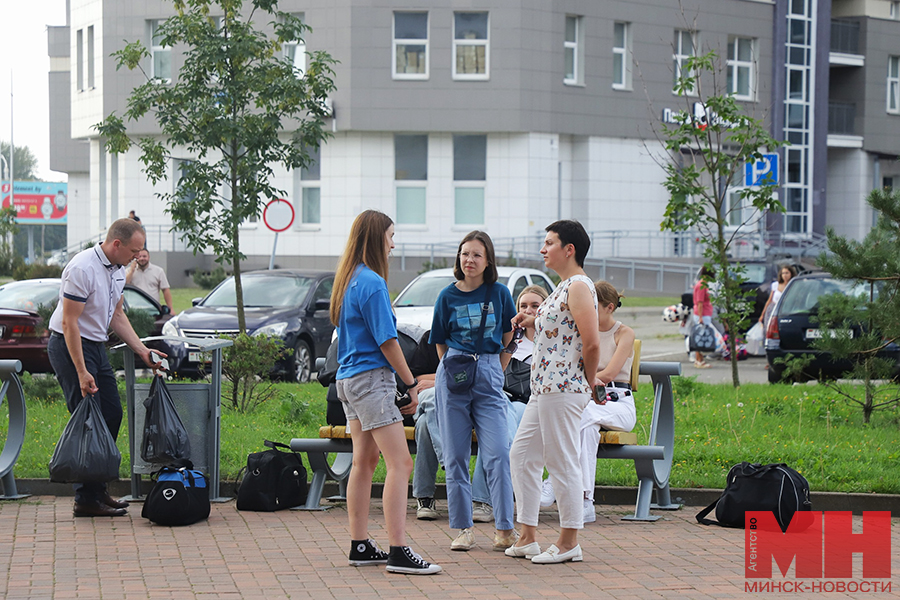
{"x": 482, "y": 512}
{"x": 502, "y": 542}
{"x": 464, "y": 541}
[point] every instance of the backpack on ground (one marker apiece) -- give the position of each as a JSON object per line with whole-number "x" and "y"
{"x": 274, "y": 480}
{"x": 755, "y": 487}
{"x": 179, "y": 497}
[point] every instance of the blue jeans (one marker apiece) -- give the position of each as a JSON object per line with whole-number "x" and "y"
{"x": 514, "y": 412}
{"x": 483, "y": 407}
{"x": 428, "y": 447}
{"x": 97, "y": 363}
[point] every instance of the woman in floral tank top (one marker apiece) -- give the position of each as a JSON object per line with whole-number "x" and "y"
{"x": 566, "y": 347}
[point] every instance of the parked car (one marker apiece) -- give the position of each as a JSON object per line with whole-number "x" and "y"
{"x": 794, "y": 326}
{"x": 760, "y": 275}
{"x": 286, "y": 303}
{"x": 415, "y": 304}
{"x": 24, "y": 335}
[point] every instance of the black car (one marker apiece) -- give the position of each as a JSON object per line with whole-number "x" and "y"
{"x": 760, "y": 275}
{"x": 794, "y": 326}
{"x": 286, "y": 303}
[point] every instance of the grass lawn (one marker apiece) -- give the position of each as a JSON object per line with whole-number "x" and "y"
{"x": 807, "y": 427}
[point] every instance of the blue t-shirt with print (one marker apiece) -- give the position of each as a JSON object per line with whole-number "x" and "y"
{"x": 366, "y": 322}
{"x": 457, "y": 317}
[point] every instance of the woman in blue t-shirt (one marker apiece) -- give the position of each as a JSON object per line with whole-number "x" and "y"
{"x": 368, "y": 355}
{"x": 455, "y": 329}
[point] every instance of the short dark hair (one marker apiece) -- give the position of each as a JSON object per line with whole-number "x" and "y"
{"x": 490, "y": 271}
{"x": 572, "y": 232}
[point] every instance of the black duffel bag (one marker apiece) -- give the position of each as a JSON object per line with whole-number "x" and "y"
{"x": 180, "y": 496}
{"x": 755, "y": 487}
{"x": 274, "y": 480}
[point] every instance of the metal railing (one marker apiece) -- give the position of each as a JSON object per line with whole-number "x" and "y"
{"x": 841, "y": 118}
{"x": 845, "y": 36}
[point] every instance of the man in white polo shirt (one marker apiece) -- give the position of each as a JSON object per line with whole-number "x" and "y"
{"x": 149, "y": 277}
{"x": 90, "y": 304}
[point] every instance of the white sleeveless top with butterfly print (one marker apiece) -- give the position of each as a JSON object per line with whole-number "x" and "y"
{"x": 557, "y": 365}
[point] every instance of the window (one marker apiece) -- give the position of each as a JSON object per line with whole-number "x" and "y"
{"x": 471, "y": 50}
{"x": 469, "y": 175}
{"x": 295, "y": 52}
{"x": 160, "y": 56}
{"x": 410, "y": 45}
{"x": 79, "y": 60}
{"x": 741, "y": 75}
{"x": 90, "y": 57}
{"x": 573, "y": 49}
{"x": 307, "y": 187}
{"x": 411, "y": 178}
{"x": 895, "y": 10}
{"x": 621, "y": 56}
{"x": 684, "y": 46}
{"x": 893, "y": 84}
{"x": 182, "y": 193}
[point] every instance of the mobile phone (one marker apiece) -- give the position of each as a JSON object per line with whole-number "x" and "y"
{"x": 599, "y": 394}
{"x": 402, "y": 400}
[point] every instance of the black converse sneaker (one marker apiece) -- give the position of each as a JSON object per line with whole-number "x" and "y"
{"x": 402, "y": 559}
{"x": 365, "y": 552}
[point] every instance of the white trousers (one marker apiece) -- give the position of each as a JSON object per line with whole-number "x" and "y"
{"x": 612, "y": 416}
{"x": 549, "y": 436}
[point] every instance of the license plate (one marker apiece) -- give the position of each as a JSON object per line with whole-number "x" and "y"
{"x": 197, "y": 357}
{"x": 816, "y": 334}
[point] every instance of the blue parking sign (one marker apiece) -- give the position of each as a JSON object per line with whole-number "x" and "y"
{"x": 762, "y": 172}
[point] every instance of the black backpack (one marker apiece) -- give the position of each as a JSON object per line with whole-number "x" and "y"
{"x": 274, "y": 480}
{"x": 755, "y": 487}
{"x": 179, "y": 497}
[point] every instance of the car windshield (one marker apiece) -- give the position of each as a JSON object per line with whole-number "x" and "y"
{"x": 27, "y": 295}
{"x": 424, "y": 290}
{"x": 262, "y": 290}
{"x": 755, "y": 273}
{"x": 802, "y": 296}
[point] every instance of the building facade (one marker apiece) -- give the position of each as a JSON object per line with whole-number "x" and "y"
{"x": 509, "y": 114}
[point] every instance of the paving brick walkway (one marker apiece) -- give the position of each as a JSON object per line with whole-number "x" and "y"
{"x": 46, "y": 553}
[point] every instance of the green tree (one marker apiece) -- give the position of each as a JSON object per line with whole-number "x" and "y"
{"x": 237, "y": 107}
{"x": 25, "y": 162}
{"x": 859, "y": 325}
{"x": 708, "y": 151}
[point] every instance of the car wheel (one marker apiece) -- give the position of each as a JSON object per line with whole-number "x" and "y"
{"x": 302, "y": 362}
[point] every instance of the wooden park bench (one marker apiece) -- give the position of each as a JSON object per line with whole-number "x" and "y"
{"x": 652, "y": 462}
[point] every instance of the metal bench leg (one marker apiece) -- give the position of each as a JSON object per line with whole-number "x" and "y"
{"x": 664, "y": 500}
{"x": 644, "y": 470}
{"x": 322, "y": 471}
{"x": 10, "y": 492}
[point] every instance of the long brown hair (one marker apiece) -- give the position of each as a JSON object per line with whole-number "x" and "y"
{"x": 364, "y": 246}
{"x": 490, "y": 271}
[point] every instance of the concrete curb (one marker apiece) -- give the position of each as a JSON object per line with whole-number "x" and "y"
{"x": 690, "y": 497}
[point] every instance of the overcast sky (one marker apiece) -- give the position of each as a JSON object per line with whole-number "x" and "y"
{"x": 23, "y": 58}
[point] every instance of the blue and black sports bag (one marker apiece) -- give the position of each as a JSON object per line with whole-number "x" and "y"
{"x": 179, "y": 497}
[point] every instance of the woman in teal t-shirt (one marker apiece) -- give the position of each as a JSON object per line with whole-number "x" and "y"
{"x": 455, "y": 330}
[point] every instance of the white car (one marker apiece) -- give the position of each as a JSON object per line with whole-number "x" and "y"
{"x": 415, "y": 304}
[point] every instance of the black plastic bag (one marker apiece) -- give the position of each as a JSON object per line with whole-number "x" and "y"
{"x": 165, "y": 437}
{"x": 274, "y": 480}
{"x": 86, "y": 451}
{"x": 703, "y": 338}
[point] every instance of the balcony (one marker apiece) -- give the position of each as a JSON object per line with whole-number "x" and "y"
{"x": 842, "y": 126}
{"x": 845, "y": 44}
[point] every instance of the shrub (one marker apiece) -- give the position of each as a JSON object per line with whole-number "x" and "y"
{"x": 9, "y": 262}
{"x": 36, "y": 271}
{"x": 42, "y": 387}
{"x": 246, "y": 367}
{"x": 142, "y": 322}
{"x": 209, "y": 279}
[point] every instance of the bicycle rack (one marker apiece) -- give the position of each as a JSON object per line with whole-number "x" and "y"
{"x": 11, "y": 390}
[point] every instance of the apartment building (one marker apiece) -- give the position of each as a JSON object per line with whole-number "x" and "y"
{"x": 506, "y": 115}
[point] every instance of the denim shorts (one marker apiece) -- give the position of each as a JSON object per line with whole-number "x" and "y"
{"x": 369, "y": 398}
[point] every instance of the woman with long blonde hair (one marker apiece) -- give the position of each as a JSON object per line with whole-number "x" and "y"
{"x": 368, "y": 356}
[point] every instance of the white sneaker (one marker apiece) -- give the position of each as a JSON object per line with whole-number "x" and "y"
{"x": 482, "y": 512}
{"x": 590, "y": 515}
{"x": 464, "y": 541}
{"x": 548, "y": 497}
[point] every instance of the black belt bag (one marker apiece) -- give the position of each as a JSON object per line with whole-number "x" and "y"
{"x": 461, "y": 368}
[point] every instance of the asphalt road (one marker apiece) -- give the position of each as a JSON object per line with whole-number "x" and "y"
{"x": 661, "y": 341}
